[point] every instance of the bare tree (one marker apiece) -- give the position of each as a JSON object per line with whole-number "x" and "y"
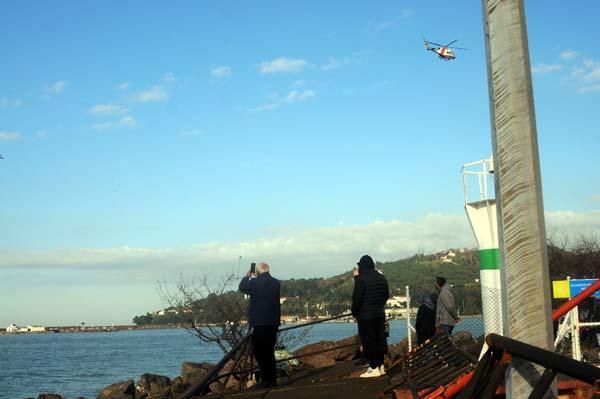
{"x": 211, "y": 308}
{"x": 216, "y": 312}
{"x": 578, "y": 258}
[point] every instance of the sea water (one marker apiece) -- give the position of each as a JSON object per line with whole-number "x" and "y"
{"x": 82, "y": 364}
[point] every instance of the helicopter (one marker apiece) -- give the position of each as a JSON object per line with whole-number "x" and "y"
{"x": 445, "y": 52}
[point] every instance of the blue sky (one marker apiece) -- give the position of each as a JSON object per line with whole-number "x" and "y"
{"x": 144, "y": 140}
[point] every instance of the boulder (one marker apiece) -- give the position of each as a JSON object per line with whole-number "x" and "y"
{"x": 462, "y": 339}
{"x": 321, "y": 360}
{"x": 50, "y": 396}
{"x": 349, "y": 352}
{"x": 397, "y": 350}
{"x": 192, "y": 372}
{"x": 153, "y": 386}
{"x": 179, "y": 386}
{"x": 318, "y": 361}
{"x": 328, "y": 358}
{"x": 118, "y": 390}
{"x": 466, "y": 343}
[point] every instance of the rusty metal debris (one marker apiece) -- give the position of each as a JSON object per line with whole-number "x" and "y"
{"x": 434, "y": 364}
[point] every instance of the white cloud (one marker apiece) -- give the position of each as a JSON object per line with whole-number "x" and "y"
{"x": 586, "y": 76}
{"x": 169, "y": 77}
{"x": 41, "y": 134}
{"x": 589, "y": 89}
{"x": 407, "y": 12}
{"x": 9, "y": 136}
{"x": 123, "y": 85}
{"x": 568, "y": 54}
{"x": 5, "y": 102}
{"x": 55, "y": 88}
{"x": 191, "y": 132}
{"x": 126, "y": 121}
{"x": 298, "y": 84}
{"x": 153, "y": 94}
{"x": 265, "y": 107}
{"x": 333, "y": 63}
{"x": 313, "y": 252}
{"x": 595, "y": 198}
{"x": 282, "y": 65}
{"x": 545, "y": 68}
{"x": 376, "y": 27}
{"x": 221, "y": 72}
{"x": 294, "y": 96}
{"x": 593, "y": 75}
{"x": 107, "y": 109}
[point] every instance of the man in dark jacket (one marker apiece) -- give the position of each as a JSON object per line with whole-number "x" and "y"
{"x": 370, "y": 294}
{"x": 425, "y": 322}
{"x": 264, "y": 317}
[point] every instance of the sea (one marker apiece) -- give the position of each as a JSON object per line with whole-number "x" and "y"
{"x": 82, "y": 364}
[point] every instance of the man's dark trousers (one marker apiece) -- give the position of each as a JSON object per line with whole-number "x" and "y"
{"x": 263, "y": 346}
{"x": 372, "y": 337}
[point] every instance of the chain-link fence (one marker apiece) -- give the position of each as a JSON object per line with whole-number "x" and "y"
{"x": 479, "y": 308}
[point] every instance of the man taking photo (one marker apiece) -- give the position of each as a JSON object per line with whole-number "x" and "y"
{"x": 264, "y": 318}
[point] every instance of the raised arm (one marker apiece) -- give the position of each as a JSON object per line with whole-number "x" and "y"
{"x": 247, "y": 286}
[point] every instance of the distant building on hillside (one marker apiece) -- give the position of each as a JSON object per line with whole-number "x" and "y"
{"x": 165, "y": 311}
{"x": 448, "y": 257}
{"x": 396, "y": 302}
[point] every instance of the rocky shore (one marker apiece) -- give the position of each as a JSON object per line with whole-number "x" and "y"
{"x": 152, "y": 386}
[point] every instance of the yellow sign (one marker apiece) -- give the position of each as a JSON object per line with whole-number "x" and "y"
{"x": 561, "y": 289}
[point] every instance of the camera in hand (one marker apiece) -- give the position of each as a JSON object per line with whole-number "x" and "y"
{"x": 252, "y": 267}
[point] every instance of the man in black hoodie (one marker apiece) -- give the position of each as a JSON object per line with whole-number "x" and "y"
{"x": 370, "y": 294}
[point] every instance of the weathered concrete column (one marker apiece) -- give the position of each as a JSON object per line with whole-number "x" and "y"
{"x": 527, "y": 307}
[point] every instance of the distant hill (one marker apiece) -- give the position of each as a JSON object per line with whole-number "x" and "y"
{"x": 580, "y": 259}
{"x": 333, "y": 295}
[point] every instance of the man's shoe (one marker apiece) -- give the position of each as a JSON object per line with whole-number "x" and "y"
{"x": 382, "y": 370}
{"x": 371, "y": 373}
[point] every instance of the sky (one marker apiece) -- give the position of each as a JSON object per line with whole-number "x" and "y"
{"x": 144, "y": 141}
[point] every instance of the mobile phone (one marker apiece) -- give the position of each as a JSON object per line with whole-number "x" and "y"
{"x": 252, "y": 267}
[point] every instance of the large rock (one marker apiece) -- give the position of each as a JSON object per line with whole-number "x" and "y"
{"x": 49, "y": 396}
{"x": 465, "y": 342}
{"x": 119, "y": 390}
{"x": 192, "y": 372}
{"x": 462, "y": 339}
{"x": 179, "y": 386}
{"x": 349, "y": 352}
{"x": 327, "y": 356}
{"x": 318, "y": 361}
{"x": 153, "y": 386}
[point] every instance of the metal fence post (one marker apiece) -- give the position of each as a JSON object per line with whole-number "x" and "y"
{"x": 408, "y": 319}
{"x": 575, "y": 340}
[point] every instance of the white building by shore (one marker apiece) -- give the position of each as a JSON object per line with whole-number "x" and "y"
{"x": 13, "y": 328}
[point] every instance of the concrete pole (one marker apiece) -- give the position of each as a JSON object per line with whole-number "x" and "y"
{"x": 527, "y": 310}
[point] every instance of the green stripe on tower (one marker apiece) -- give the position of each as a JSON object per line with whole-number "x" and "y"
{"x": 489, "y": 259}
